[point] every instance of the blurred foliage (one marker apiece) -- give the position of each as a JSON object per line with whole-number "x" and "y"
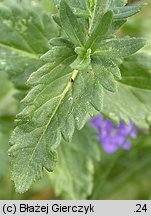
{"x": 126, "y": 175}
{"x": 123, "y": 175}
{"x": 140, "y": 24}
{"x": 73, "y": 176}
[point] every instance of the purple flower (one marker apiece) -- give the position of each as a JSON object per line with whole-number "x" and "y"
{"x": 113, "y": 137}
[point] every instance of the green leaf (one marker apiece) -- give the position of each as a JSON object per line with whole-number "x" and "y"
{"x": 101, "y": 7}
{"x": 143, "y": 18}
{"x": 78, "y": 7}
{"x": 80, "y": 13}
{"x": 81, "y": 63}
{"x": 70, "y": 24}
{"x": 61, "y": 42}
{"x": 119, "y": 48}
{"x": 104, "y": 75}
{"x": 131, "y": 102}
{"x": 56, "y": 54}
{"x": 100, "y": 31}
{"x": 111, "y": 65}
{"x": 121, "y": 13}
{"x": 83, "y": 60}
{"x": 73, "y": 176}
{"x": 125, "y": 12}
{"x": 82, "y": 4}
{"x": 56, "y": 18}
{"x": 24, "y": 36}
{"x": 61, "y": 97}
{"x": 59, "y": 100}
{"x": 136, "y": 71}
{"x": 118, "y": 3}
{"x": 116, "y": 25}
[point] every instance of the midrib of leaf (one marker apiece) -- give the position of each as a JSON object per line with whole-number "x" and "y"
{"x": 81, "y": 62}
{"x": 97, "y": 52}
{"x": 25, "y": 53}
{"x": 52, "y": 69}
{"x": 68, "y": 86}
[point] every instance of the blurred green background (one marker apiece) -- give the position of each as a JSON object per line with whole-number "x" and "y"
{"x": 123, "y": 175}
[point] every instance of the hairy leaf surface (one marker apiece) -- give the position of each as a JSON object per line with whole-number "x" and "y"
{"x": 53, "y": 107}
{"x": 65, "y": 92}
{"x": 119, "y": 48}
{"x": 101, "y": 7}
{"x": 71, "y": 25}
{"x": 125, "y": 12}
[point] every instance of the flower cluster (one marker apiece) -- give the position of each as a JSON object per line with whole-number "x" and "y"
{"x": 113, "y": 137}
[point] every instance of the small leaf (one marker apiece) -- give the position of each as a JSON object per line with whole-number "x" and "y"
{"x": 61, "y": 42}
{"x": 98, "y": 96}
{"x": 125, "y": 12}
{"x": 56, "y": 54}
{"x": 101, "y": 7}
{"x": 100, "y": 31}
{"x": 112, "y": 66}
{"x": 70, "y": 24}
{"x": 56, "y": 18}
{"x": 81, "y": 63}
{"x": 119, "y": 48}
{"x": 83, "y": 60}
{"x": 104, "y": 76}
